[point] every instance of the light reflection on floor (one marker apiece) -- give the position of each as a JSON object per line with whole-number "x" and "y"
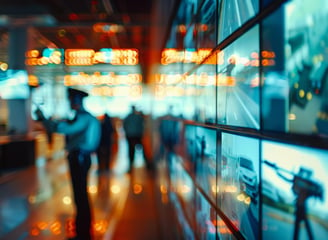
{"x": 36, "y": 203}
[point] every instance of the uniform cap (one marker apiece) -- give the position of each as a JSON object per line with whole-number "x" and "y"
{"x": 72, "y": 92}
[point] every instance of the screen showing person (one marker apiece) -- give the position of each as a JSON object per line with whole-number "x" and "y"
{"x": 294, "y": 191}
{"x": 206, "y": 155}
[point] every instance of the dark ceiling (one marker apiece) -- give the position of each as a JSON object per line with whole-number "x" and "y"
{"x": 89, "y": 23}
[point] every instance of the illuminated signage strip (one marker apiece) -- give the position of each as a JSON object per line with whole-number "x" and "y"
{"x": 99, "y": 79}
{"x": 78, "y": 57}
{"x": 134, "y": 91}
{"x": 82, "y": 57}
{"x": 170, "y": 56}
{"x": 201, "y": 80}
{"x": 187, "y": 56}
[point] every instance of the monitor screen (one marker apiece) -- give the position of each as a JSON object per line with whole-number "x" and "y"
{"x": 294, "y": 191}
{"x": 239, "y": 180}
{"x": 205, "y": 91}
{"x": 205, "y": 218}
{"x": 189, "y": 147}
{"x": 206, "y": 155}
{"x": 184, "y": 188}
{"x": 238, "y": 83}
{"x": 295, "y": 90}
{"x": 224, "y": 233}
{"x": 234, "y": 14}
{"x": 206, "y": 30}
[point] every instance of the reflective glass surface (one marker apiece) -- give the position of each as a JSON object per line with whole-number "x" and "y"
{"x": 238, "y": 82}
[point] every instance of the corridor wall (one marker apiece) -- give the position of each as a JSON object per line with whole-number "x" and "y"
{"x": 248, "y": 84}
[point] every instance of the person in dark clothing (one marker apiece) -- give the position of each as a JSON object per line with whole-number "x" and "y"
{"x": 82, "y": 139}
{"x": 133, "y": 126}
{"x": 104, "y": 149}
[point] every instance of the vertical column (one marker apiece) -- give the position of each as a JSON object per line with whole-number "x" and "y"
{"x": 18, "y": 109}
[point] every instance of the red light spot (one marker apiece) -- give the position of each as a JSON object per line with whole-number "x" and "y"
{"x": 73, "y": 16}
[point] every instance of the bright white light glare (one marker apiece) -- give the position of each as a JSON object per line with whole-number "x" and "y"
{"x": 67, "y": 200}
{"x": 93, "y": 189}
{"x": 115, "y": 189}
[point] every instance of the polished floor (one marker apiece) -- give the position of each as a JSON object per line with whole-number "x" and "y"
{"x": 36, "y": 203}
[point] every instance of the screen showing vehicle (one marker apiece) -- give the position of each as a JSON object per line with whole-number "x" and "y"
{"x": 295, "y": 91}
{"x": 234, "y": 14}
{"x": 294, "y": 191}
{"x": 239, "y": 183}
{"x": 205, "y": 218}
{"x": 206, "y": 155}
{"x": 238, "y": 82}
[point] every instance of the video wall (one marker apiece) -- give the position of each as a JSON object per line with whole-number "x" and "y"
{"x": 251, "y": 159}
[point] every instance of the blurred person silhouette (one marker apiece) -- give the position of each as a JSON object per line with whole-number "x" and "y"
{"x": 133, "y": 126}
{"x": 82, "y": 139}
{"x": 169, "y": 132}
{"x": 169, "y": 135}
{"x": 104, "y": 149}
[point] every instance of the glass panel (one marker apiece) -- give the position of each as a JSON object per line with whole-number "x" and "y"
{"x": 223, "y": 231}
{"x": 205, "y": 218}
{"x": 205, "y": 92}
{"x": 238, "y": 196}
{"x": 294, "y": 192}
{"x": 183, "y": 186}
{"x": 234, "y": 14}
{"x": 205, "y": 146}
{"x": 206, "y": 27}
{"x": 297, "y": 37}
{"x": 266, "y": 3}
{"x": 238, "y": 82}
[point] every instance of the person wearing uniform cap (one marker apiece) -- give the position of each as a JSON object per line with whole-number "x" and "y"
{"x": 82, "y": 139}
